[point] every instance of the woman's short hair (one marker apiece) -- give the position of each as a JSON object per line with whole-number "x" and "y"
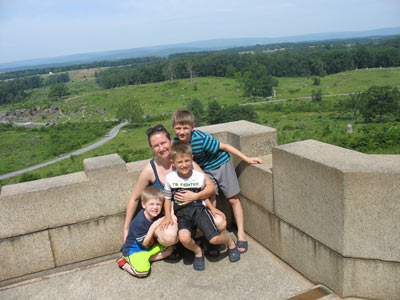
{"x": 155, "y": 130}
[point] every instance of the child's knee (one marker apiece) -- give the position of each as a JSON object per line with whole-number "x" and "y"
{"x": 184, "y": 236}
{"x": 168, "y": 238}
{"x": 220, "y": 223}
{"x": 234, "y": 200}
{"x": 215, "y": 240}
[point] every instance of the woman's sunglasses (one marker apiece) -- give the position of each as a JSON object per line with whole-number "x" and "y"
{"x": 155, "y": 129}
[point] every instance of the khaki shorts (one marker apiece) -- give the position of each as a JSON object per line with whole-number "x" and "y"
{"x": 225, "y": 179}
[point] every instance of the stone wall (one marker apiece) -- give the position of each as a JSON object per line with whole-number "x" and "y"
{"x": 333, "y": 214}
{"x": 329, "y": 212}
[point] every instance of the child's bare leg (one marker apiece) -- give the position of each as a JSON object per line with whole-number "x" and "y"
{"x": 223, "y": 239}
{"x": 185, "y": 237}
{"x": 218, "y": 220}
{"x": 168, "y": 236}
{"x": 213, "y": 200}
{"x": 239, "y": 218}
{"x": 163, "y": 254}
{"x": 220, "y": 223}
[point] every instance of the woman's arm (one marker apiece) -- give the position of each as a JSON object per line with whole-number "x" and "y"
{"x": 143, "y": 181}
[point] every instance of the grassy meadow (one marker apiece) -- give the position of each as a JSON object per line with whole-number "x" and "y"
{"x": 294, "y": 119}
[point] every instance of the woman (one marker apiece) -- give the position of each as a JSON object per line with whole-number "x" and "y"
{"x": 154, "y": 174}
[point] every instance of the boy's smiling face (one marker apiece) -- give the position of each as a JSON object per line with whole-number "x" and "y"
{"x": 183, "y": 164}
{"x": 183, "y": 132}
{"x": 152, "y": 208}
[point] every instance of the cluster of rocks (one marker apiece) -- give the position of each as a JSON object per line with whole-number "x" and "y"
{"x": 26, "y": 114}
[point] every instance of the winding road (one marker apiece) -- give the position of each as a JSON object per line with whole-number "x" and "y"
{"x": 113, "y": 133}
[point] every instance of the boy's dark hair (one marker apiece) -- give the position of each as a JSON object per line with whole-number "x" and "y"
{"x": 152, "y": 192}
{"x": 182, "y": 117}
{"x": 155, "y": 130}
{"x": 179, "y": 148}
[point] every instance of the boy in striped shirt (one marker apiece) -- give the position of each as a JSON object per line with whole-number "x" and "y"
{"x": 213, "y": 157}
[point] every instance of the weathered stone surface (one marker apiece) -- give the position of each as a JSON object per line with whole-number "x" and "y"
{"x": 345, "y": 199}
{"x": 252, "y": 139}
{"x": 86, "y": 240}
{"x": 372, "y": 215}
{"x": 369, "y": 278}
{"x": 310, "y": 196}
{"x": 25, "y": 254}
{"x": 256, "y": 182}
{"x": 311, "y": 258}
{"x": 372, "y": 279}
{"x": 68, "y": 199}
{"x": 104, "y": 165}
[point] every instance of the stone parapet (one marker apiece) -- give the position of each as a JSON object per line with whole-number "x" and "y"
{"x": 330, "y": 213}
{"x": 251, "y": 139}
{"x": 80, "y": 216}
{"x": 347, "y": 276}
{"x": 334, "y": 216}
{"x": 347, "y": 200}
{"x": 65, "y": 219}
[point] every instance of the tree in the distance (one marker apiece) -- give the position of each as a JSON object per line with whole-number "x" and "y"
{"x": 130, "y": 111}
{"x": 196, "y": 107}
{"x": 257, "y": 82}
{"x": 58, "y": 91}
{"x": 378, "y": 101}
{"x": 316, "y": 96}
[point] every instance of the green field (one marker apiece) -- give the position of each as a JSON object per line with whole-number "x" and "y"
{"x": 295, "y": 119}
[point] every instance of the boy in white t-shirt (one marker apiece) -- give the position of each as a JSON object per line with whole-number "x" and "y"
{"x": 195, "y": 214}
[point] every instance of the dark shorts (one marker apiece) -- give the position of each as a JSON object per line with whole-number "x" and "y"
{"x": 225, "y": 179}
{"x": 197, "y": 216}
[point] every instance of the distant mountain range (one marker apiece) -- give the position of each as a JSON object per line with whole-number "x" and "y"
{"x": 207, "y": 45}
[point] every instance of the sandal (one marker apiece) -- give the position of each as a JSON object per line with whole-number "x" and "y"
{"x": 244, "y": 245}
{"x": 212, "y": 250}
{"x": 198, "y": 263}
{"x": 234, "y": 254}
{"x": 175, "y": 255}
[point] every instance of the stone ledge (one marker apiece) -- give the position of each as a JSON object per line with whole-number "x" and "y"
{"x": 256, "y": 182}
{"x": 343, "y": 159}
{"x": 68, "y": 199}
{"x": 43, "y": 184}
{"x": 86, "y": 240}
{"x": 106, "y": 165}
{"x": 352, "y": 212}
{"x": 25, "y": 254}
{"x": 347, "y": 276}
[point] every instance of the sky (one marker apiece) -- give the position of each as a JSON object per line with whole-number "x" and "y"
{"x": 49, "y": 28}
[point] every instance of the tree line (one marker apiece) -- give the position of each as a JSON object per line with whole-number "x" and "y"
{"x": 285, "y": 62}
{"x": 58, "y": 69}
{"x": 12, "y": 91}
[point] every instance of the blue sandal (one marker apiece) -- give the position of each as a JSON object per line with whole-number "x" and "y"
{"x": 244, "y": 245}
{"x": 198, "y": 263}
{"x": 234, "y": 254}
